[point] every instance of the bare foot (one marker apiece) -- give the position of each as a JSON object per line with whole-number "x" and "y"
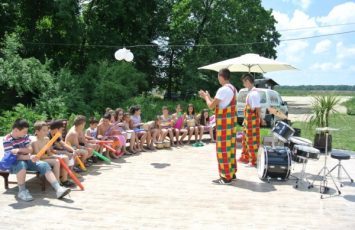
{"x": 114, "y": 156}
{"x": 142, "y": 149}
{"x": 132, "y": 151}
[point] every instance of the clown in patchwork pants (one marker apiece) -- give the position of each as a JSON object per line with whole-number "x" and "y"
{"x": 251, "y": 136}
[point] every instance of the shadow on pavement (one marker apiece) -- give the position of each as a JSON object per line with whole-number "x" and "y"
{"x": 253, "y": 186}
{"x": 350, "y": 198}
{"x": 160, "y": 165}
{"x": 41, "y": 202}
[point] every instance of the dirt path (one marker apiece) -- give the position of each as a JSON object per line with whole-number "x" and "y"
{"x": 300, "y": 107}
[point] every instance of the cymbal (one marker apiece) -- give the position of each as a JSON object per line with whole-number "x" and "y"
{"x": 277, "y": 113}
{"x": 326, "y": 129}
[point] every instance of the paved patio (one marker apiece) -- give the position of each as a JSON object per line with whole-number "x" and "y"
{"x": 172, "y": 189}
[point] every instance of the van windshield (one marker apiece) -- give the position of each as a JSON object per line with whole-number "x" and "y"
{"x": 243, "y": 95}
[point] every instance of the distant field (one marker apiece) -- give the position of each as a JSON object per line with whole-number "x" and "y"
{"x": 291, "y": 92}
{"x": 350, "y": 106}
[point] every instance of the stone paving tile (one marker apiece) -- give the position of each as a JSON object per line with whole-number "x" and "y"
{"x": 172, "y": 189}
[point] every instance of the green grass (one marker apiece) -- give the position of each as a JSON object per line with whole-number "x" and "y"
{"x": 295, "y": 92}
{"x": 342, "y": 139}
{"x": 350, "y": 106}
{"x": 263, "y": 132}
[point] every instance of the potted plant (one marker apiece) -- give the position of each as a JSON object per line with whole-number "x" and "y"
{"x": 323, "y": 107}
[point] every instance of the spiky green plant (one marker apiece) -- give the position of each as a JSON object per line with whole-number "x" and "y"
{"x": 323, "y": 107}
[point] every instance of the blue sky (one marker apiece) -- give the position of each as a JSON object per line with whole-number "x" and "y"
{"x": 328, "y": 60}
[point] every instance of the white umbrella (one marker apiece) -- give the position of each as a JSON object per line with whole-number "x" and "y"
{"x": 249, "y": 63}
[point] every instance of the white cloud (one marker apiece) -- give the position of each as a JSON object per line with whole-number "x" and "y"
{"x": 304, "y": 3}
{"x": 322, "y": 46}
{"x": 299, "y": 19}
{"x": 294, "y": 51}
{"x": 340, "y": 14}
{"x": 326, "y": 66}
{"x": 344, "y": 52}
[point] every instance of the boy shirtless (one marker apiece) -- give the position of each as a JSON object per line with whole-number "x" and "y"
{"x": 74, "y": 135}
{"x": 60, "y": 147}
{"x": 41, "y": 129}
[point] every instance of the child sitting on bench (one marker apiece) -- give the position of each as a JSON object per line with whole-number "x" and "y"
{"x": 18, "y": 143}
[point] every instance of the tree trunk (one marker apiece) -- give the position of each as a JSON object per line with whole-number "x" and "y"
{"x": 170, "y": 75}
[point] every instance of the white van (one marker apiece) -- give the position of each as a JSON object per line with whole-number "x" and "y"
{"x": 269, "y": 98}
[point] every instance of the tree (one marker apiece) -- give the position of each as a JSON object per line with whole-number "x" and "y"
{"x": 22, "y": 80}
{"x": 9, "y": 11}
{"x": 111, "y": 25}
{"x": 51, "y": 29}
{"x": 199, "y": 26}
{"x": 108, "y": 84}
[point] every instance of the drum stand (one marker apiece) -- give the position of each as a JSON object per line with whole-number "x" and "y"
{"x": 302, "y": 179}
{"x": 323, "y": 187}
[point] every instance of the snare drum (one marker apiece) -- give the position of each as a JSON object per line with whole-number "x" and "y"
{"x": 306, "y": 152}
{"x": 283, "y": 131}
{"x": 297, "y": 141}
{"x": 274, "y": 162}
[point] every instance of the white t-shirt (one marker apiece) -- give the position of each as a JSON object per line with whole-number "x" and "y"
{"x": 253, "y": 99}
{"x": 225, "y": 95}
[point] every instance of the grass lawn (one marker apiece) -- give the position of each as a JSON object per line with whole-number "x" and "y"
{"x": 350, "y": 106}
{"x": 342, "y": 139}
{"x": 295, "y": 92}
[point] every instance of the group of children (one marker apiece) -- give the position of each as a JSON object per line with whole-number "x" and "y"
{"x": 126, "y": 129}
{"x": 128, "y": 126}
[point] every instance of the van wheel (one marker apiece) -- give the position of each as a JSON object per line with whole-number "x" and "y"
{"x": 271, "y": 122}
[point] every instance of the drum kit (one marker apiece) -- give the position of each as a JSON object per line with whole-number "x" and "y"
{"x": 274, "y": 162}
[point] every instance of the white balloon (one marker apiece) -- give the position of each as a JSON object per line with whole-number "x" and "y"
{"x": 124, "y": 54}
{"x": 119, "y": 54}
{"x": 129, "y": 56}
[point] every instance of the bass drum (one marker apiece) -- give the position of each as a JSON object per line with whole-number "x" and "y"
{"x": 274, "y": 162}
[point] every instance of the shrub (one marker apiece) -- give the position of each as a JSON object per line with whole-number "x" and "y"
{"x": 106, "y": 84}
{"x": 19, "y": 111}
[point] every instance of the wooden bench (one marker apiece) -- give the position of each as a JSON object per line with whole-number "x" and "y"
{"x": 6, "y": 174}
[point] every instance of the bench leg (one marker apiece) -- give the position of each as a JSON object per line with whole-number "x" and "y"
{"x": 43, "y": 182}
{"x": 42, "y": 179}
{"x": 5, "y": 175}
